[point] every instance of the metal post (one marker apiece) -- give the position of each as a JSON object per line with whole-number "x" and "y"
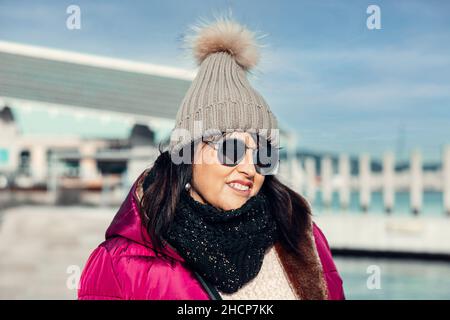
{"x": 326, "y": 175}
{"x": 344, "y": 189}
{"x": 388, "y": 182}
{"x": 311, "y": 189}
{"x": 364, "y": 182}
{"x": 416, "y": 182}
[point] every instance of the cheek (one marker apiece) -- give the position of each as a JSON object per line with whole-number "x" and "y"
{"x": 209, "y": 177}
{"x": 258, "y": 183}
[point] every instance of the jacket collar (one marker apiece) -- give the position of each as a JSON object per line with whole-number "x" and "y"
{"x": 305, "y": 273}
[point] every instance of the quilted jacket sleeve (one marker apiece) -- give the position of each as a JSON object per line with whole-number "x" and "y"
{"x": 98, "y": 280}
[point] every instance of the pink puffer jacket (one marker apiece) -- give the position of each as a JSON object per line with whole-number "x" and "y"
{"x": 125, "y": 266}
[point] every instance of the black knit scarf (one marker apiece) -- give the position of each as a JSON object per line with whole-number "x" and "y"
{"x": 225, "y": 247}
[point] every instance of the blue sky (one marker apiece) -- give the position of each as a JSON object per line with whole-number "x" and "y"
{"x": 340, "y": 86}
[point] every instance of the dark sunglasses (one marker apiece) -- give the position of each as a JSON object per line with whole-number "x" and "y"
{"x": 231, "y": 151}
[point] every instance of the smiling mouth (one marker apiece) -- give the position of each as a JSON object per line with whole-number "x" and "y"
{"x": 240, "y": 188}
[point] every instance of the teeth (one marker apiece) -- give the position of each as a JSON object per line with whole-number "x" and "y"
{"x": 239, "y": 186}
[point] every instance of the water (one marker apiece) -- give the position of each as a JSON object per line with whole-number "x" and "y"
{"x": 432, "y": 203}
{"x": 399, "y": 279}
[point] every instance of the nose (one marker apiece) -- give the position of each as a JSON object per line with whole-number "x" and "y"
{"x": 246, "y": 166}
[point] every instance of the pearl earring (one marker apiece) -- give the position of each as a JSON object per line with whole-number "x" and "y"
{"x": 187, "y": 186}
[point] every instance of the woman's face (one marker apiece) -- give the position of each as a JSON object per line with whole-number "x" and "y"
{"x": 219, "y": 185}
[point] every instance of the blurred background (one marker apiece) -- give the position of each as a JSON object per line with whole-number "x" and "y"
{"x": 89, "y": 89}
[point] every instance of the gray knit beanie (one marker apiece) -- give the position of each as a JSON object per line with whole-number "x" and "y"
{"x": 220, "y": 98}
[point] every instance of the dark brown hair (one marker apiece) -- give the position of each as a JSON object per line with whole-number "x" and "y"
{"x": 161, "y": 196}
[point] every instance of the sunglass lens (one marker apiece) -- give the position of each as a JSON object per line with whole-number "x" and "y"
{"x": 266, "y": 159}
{"x": 231, "y": 151}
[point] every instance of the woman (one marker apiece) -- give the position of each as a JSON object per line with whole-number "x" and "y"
{"x": 209, "y": 219}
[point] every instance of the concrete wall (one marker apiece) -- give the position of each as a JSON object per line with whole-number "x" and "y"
{"x": 386, "y": 233}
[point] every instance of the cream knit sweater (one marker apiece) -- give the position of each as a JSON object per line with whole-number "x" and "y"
{"x": 271, "y": 283}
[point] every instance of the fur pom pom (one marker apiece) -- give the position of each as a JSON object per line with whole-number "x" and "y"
{"x": 225, "y": 35}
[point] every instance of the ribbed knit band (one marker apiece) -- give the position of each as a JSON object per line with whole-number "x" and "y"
{"x": 221, "y": 98}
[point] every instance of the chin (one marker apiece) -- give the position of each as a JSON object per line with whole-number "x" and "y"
{"x": 232, "y": 201}
{"x": 236, "y": 204}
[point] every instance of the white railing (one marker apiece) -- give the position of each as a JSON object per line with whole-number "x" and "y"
{"x": 302, "y": 177}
